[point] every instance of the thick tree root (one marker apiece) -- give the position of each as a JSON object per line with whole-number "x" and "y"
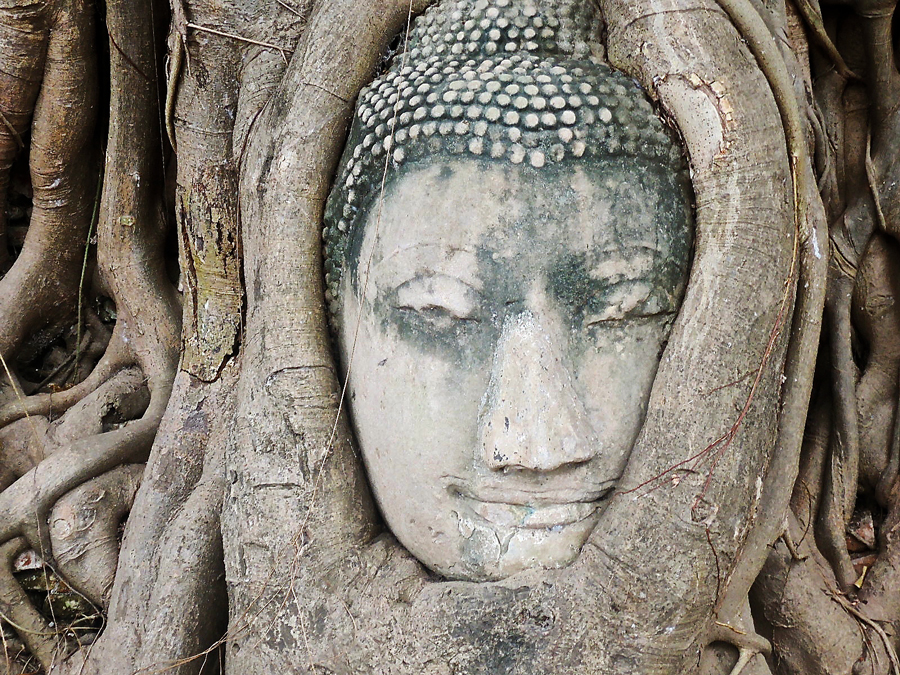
{"x": 808, "y": 282}
{"x": 121, "y": 398}
{"x": 23, "y": 36}
{"x": 84, "y": 528}
{"x": 42, "y": 285}
{"x": 811, "y": 631}
{"x": 876, "y": 316}
{"x": 174, "y": 524}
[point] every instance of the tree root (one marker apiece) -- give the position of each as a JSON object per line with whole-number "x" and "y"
{"x": 744, "y": 658}
{"x": 854, "y": 230}
{"x": 741, "y": 635}
{"x": 878, "y": 595}
{"x": 874, "y": 627}
{"x": 25, "y": 505}
{"x": 792, "y": 547}
{"x": 745, "y": 641}
{"x": 810, "y": 287}
{"x": 47, "y": 645}
{"x": 42, "y": 285}
{"x": 117, "y": 356}
{"x": 808, "y": 486}
{"x": 130, "y": 251}
{"x": 876, "y": 316}
{"x": 175, "y": 520}
{"x": 130, "y": 256}
{"x": 84, "y": 530}
{"x": 87, "y": 514}
{"x": 842, "y": 470}
{"x": 812, "y": 16}
{"x": 27, "y": 442}
{"x": 23, "y": 36}
{"x": 122, "y": 397}
{"x": 811, "y": 631}
{"x": 24, "y": 445}
{"x": 61, "y": 482}
{"x": 178, "y": 53}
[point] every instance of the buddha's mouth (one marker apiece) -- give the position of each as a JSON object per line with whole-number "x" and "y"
{"x": 546, "y": 517}
{"x": 533, "y": 511}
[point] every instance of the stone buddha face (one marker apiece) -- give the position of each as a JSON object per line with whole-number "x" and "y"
{"x": 502, "y": 327}
{"x": 502, "y": 305}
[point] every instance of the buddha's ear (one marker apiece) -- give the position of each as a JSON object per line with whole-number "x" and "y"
{"x": 292, "y": 436}
{"x": 695, "y": 478}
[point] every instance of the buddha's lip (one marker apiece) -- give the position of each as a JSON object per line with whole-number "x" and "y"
{"x": 532, "y": 516}
{"x": 539, "y": 496}
{"x": 538, "y": 509}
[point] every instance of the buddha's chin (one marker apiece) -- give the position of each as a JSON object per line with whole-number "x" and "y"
{"x": 488, "y": 551}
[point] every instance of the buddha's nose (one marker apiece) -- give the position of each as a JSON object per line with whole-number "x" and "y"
{"x": 532, "y": 418}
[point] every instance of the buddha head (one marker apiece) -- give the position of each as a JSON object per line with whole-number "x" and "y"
{"x": 506, "y": 247}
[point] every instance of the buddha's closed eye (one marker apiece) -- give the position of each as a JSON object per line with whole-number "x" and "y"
{"x": 439, "y": 298}
{"x": 628, "y": 300}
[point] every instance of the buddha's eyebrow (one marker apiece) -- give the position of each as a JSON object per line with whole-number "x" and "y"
{"x": 443, "y": 247}
{"x": 430, "y": 258}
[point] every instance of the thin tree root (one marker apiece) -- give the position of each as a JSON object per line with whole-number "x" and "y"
{"x": 808, "y": 486}
{"x": 232, "y": 36}
{"x": 747, "y": 640}
{"x": 842, "y": 471}
{"x": 744, "y": 657}
{"x": 788, "y": 539}
{"x": 812, "y": 16}
{"x": 178, "y": 54}
{"x": 47, "y": 645}
{"x": 117, "y": 356}
{"x": 67, "y": 365}
{"x": 874, "y": 627}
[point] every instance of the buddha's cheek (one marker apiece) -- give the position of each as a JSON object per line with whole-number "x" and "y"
{"x": 615, "y": 369}
{"x": 415, "y": 413}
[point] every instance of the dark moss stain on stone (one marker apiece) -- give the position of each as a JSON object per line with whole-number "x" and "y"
{"x": 462, "y": 341}
{"x": 570, "y": 282}
{"x": 446, "y": 172}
